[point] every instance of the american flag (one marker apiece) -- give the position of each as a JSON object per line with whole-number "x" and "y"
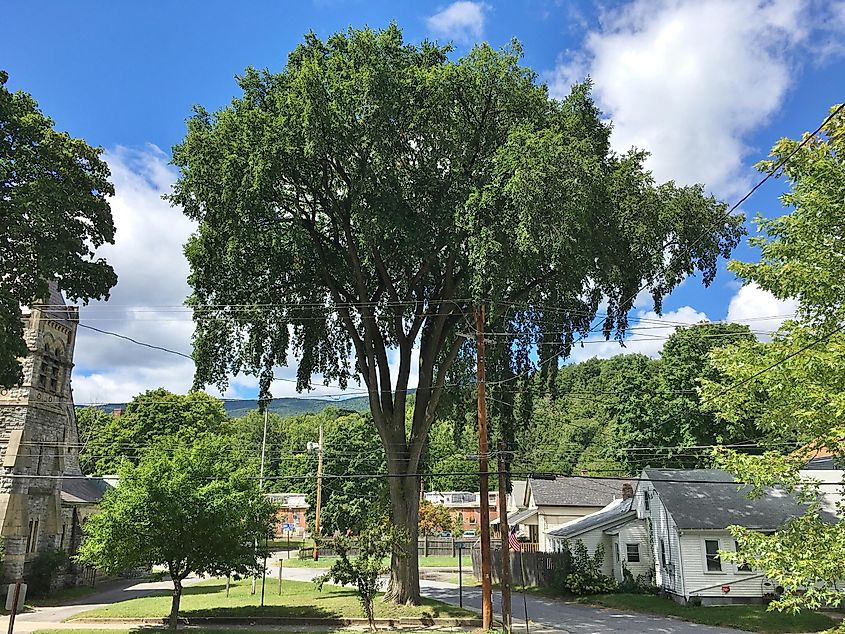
{"x": 513, "y": 540}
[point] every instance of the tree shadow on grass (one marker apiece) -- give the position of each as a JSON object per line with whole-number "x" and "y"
{"x": 267, "y": 611}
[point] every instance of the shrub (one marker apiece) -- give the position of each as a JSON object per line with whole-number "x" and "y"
{"x": 584, "y": 575}
{"x": 641, "y": 584}
{"x": 43, "y": 571}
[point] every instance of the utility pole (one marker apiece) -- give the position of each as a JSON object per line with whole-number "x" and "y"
{"x": 504, "y": 531}
{"x": 261, "y": 486}
{"x": 319, "y": 494}
{"x": 486, "y": 580}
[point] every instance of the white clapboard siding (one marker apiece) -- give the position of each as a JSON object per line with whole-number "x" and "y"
{"x": 703, "y": 583}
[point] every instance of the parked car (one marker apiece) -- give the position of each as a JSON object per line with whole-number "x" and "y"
{"x": 446, "y": 534}
{"x": 470, "y": 533}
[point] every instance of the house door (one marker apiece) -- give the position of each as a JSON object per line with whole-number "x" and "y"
{"x": 617, "y": 560}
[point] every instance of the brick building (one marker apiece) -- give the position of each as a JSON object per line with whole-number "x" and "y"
{"x": 465, "y": 506}
{"x": 292, "y": 509}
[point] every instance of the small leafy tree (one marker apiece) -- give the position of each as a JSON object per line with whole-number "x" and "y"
{"x": 584, "y": 575}
{"x": 434, "y": 518}
{"x": 192, "y": 508}
{"x": 375, "y": 545}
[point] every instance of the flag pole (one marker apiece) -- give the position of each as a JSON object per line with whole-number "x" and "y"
{"x": 524, "y": 601}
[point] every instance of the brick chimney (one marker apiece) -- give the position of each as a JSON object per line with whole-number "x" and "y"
{"x": 627, "y": 491}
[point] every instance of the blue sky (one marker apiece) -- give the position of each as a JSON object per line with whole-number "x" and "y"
{"x": 706, "y": 85}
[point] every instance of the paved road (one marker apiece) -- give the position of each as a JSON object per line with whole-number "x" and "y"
{"x": 549, "y": 615}
{"x": 52, "y": 617}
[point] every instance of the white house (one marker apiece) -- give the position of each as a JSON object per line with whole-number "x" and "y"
{"x": 622, "y": 535}
{"x": 677, "y": 522}
{"x": 689, "y": 512}
{"x": 549, "y": 503}
{"x": 826, "y": 470}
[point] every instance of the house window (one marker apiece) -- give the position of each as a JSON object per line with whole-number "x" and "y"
{"x": 711, "y": 555}
{"x": 32, "y": 540}
{"x": 472, "y": 519}
{"x": 616, "y": 551}
{"x": 662, "y": 552}
{"x": 743, "y": 567}
{"x": 647, "y": 501}
{"x": 632, "y": 553}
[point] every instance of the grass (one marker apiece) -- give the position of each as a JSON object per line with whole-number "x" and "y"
{"x": 432, "y": 561}
{"x": 753, "y": 618}
{"x": 299, "y": 599}
{"x": 61, "y": 597}
{"x": 146, "y": 629}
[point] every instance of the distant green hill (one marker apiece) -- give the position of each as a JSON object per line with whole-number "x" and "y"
{"x": 282, "y": 406}
{"x": 293, "y": 406}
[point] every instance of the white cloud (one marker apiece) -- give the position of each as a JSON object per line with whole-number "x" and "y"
{"x": 646, "y": 335}
{"x": 462, "y": 21}
{"x": 689, "y": 80}
{"x": 760, "y": 310}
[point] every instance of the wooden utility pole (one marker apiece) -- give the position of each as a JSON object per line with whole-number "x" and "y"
{"x": 504, "y": 530}
{"x": 319, "y": 494}
{"x": 486, "y": 580}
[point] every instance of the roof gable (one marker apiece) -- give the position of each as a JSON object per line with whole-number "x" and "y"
{"x": 575, "y": 491}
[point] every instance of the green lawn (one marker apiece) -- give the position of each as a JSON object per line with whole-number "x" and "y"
{"x": 432, "y": 561}
{"x": 298, "y": 599}
{"x": 753, "y": 618}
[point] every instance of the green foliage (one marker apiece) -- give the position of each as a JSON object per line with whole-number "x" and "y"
{"x": 583, "y": 575}
{"x": 374, "y": 545}
{"x": 641, "y": 584}
{"x": 352, "y": 446}
{"x": 371, "y": 193}
{"x": 150, "y": 417}
{"x": 54, "y": 213}
{"x": 43, "y": 570}
{"x": 434, "y": 518}
{"x": 192, "y": 507}
{"x": 794, "y": 386}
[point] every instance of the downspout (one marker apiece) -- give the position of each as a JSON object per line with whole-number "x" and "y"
{"x": 681, "y": 565}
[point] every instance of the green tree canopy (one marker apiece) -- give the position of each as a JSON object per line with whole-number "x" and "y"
{"x": 54, "y": 212}
{"x": 794, "y": 386}
{"x": 148, "y": 418}
{"x": 189, "y": 507}
{"x": 351, "y": 500}
{"x": 361, "y": 201}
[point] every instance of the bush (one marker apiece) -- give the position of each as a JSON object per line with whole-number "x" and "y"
{"x": 43, "y": 571}
{"x": 584, "y": 575}
{"x": 641, "y": 584}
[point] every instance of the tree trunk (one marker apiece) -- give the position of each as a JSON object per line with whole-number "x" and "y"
{"x": 404, "y": 585}
{"x": 174, "y": 606}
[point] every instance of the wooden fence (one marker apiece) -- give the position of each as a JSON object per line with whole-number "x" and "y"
{"x": 426, "y": 547}
{"x": 527, "y": 568}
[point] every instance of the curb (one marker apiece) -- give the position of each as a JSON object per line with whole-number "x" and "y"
{"x": 281, "y": 620}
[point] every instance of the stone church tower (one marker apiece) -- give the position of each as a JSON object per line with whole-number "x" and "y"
{"x": 39, "y": 441}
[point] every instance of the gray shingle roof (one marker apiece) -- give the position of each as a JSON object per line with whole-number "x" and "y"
{"x": 617, "y": 512}
{"x": 88, "y": 490}
{"x": 696, "y": 503}
{"x": 576, "y": 491}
